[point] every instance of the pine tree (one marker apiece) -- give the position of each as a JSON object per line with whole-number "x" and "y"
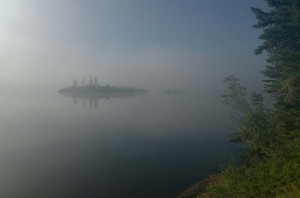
{"x": 281, "y": 41}
{"x": 91, "y": 80}
{"x": 95, "y": 80}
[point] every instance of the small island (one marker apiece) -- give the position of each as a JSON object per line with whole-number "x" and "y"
{"x": 93, "y": 90}
{"x": 99, "y": 89}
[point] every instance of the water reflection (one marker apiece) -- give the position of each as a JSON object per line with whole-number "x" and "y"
{"x": 91, "y": 99}
{"x": 153, "y": 146}
{"x": 173, "y": 92}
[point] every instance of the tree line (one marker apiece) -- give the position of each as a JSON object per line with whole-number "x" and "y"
{"x": 270, "y": 163}
{"x": 92, "y": 81}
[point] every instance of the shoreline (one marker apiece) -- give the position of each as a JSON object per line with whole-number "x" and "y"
{"x": 196, "y": 189}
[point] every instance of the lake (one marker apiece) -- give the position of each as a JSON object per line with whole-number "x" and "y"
{"x": 152, "y": 145}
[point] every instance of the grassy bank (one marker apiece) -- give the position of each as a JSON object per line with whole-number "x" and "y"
{"x": 276, "y": 176}
{"x": 270, "y": 166}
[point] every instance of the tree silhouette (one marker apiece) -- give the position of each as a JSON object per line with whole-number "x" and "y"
{"x": 280, "y": 25}
{"x": 95, "y": 80}
{"x": 91, "y": 80}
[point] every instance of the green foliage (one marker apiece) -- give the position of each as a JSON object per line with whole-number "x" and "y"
{"x": 235, "y": 97}
{"x": 272, "y": 177}
{"x": 271, "y": 166}
{"x": 281, "y": 40}
{"x": 295, "y": 193}
{"x": 255, "y": 120}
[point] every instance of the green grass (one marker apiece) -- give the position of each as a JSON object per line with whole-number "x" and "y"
{"x": 277, "y": 176}
{"x": 270, "y": 167}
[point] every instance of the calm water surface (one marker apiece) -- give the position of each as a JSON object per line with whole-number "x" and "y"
{"x": 147, "y": 146}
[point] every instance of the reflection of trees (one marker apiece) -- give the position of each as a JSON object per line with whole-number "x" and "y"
{"x": 93, "y": 98}
{"x": 173, "y": 92}
{"x": 91, "y": 103}
{"x": 75, "y": 100}
{"x": 93, "y": 92}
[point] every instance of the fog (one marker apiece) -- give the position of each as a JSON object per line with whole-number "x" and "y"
{"x": 154, "y": 45}
{"x": 143, "y": 145}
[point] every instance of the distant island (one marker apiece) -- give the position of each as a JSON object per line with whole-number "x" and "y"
{"x": 99, "y": 89}
{"x": 96, "y": 91}
{"x": 94, "y": 88}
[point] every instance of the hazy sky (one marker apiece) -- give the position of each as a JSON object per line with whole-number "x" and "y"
{"x": 152, "y": 44}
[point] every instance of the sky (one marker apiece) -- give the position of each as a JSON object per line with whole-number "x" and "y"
{"x": 151, "y": 44}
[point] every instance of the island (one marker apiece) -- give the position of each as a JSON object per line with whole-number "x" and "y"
{"x": 101, "y": 90}
{"x": 94, "y": 91}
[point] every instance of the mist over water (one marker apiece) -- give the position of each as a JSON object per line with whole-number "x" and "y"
{"x": 129, "y": 145}
{"x": 152, "y": 145}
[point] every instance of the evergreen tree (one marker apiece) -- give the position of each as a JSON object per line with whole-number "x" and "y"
{"x": 95, "y": 80}
{"x": 270, "y": 164}
{"x": 83, "y": 81}
{"x": 281, "y": 41}
{"x": 91, "y": 80}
